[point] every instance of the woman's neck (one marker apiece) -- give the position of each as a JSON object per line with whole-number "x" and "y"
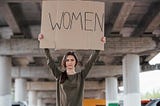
{"x": 71, "y": 71}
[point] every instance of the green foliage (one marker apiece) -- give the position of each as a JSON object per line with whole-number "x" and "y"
{"x": 151, "y": 95}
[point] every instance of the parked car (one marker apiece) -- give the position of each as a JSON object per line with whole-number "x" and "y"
{"x": 144, "y": 102}
{"x": 154, "y": 102}
{"x": 18, "y": 104}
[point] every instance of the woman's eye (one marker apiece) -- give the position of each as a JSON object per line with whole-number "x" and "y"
{"x": 72, "y": 59}
{"x": 67, "y": 60}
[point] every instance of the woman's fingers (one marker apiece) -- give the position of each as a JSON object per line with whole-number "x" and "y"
{"x": 40, "y": 37}
{"x": 103, "y": 39}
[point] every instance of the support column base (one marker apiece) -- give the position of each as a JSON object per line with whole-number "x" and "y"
{"x": 132, "y": 99}
{"x": 5, "y": 100}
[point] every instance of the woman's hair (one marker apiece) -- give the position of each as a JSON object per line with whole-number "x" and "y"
{"x": 65, "y": 58}
{"x": 63, "y": 77}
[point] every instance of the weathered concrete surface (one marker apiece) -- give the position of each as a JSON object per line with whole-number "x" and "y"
{"x": 44, "y": 72}
{"x": 117, "y": 45}
{"x": 96, "y": 71}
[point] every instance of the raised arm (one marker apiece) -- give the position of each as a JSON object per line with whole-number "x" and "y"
{"x": 51, "y": 63}
{"x": 92, "y": 60}
{"x": 90, "y": 63}
{"x": 55, "y": 71}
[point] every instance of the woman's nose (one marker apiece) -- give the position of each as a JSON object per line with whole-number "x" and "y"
{"x": 70, "y": 61}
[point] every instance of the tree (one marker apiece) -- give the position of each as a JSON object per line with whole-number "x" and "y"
{"x": 151, "y": 95}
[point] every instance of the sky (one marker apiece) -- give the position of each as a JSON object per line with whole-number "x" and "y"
{"x": 155, "y": 59}
{"x": 149, "y": 81}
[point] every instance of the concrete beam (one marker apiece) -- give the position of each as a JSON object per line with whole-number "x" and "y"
{"x": 147, "y": 18}
{"x": 117, "y": 45}
{"x": 49, "y": 100}
{"x": 9, "y": 17}
{"x": 105, "y": 71}
{"x": 127, "y": 45}
{"x": 51, "y": 86}
{"x": 123, "y": 15}
{"x": 95, "y": 72}
{"x": 31, "y": 72}
{"x": 48, "y": 94}
{"x": 21, "y": 1}
{"x": 44, "y": 72}
{"x": 20, "y": 47}
{"x": 154, "y": 23}
{"x": 92, "y": 0}
{"x": 99, "y": 94}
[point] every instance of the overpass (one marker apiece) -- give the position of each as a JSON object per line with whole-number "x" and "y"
{"x": 132, "y": 29}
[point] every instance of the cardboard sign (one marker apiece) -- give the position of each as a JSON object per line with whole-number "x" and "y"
{"x": 72, "y": 25}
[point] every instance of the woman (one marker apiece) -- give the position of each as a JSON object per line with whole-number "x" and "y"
{"x": 70, "y": 83}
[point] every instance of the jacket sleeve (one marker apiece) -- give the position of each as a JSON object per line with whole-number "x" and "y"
{"x": 51, "y": 63}
{"x": 90, "y": 63}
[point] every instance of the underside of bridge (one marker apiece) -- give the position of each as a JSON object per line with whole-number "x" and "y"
{"x": 131, "y": 27}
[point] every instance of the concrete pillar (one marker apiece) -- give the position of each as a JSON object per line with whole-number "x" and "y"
{"x": 5, "y": 81}
{"x": 40, "y": 103}
{"x": 111, "y": 89}
{"x": 20, "y": 89}
{"x": 131, "y": 70}
{"x": 32, "y": 98}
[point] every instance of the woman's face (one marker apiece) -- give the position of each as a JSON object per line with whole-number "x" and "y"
{"x": 70, "y": 62}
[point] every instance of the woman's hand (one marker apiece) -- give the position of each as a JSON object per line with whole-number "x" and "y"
{"x": 47, "y": 52}
{"x": 40, "y": 36}
{"x": 103, "y": 39}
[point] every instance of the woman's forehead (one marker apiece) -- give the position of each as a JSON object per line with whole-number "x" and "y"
{"x": 70, "y": 57}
